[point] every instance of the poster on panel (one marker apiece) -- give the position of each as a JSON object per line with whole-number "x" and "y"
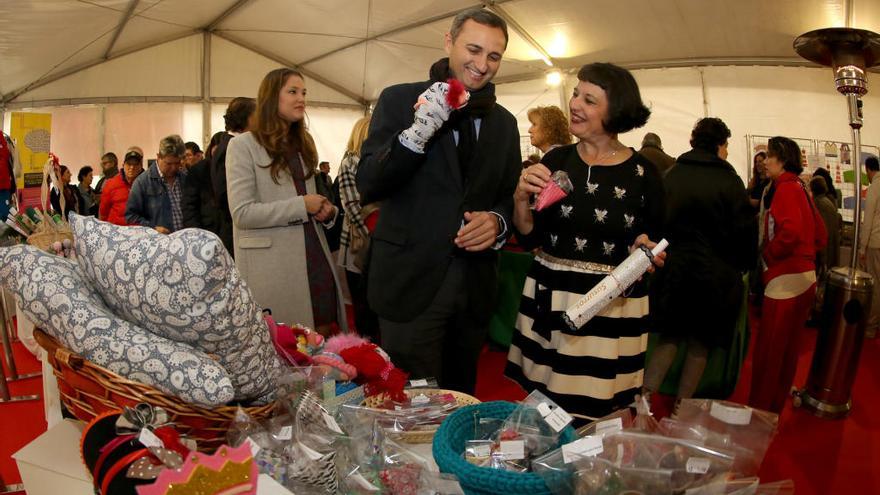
{"x": 32, "y": 133}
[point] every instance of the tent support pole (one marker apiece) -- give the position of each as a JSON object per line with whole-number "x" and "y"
{"x": 705, "y": 96}
{"x": 206, "y": 89}
{"x": 102, "y": 129}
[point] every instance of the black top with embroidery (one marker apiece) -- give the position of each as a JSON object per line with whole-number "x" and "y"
{"x": 607, "y": 209}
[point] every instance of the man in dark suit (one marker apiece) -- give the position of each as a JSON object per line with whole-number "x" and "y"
{"x": 445, "y": 178}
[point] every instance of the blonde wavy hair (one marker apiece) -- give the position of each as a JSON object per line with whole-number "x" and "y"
{"x": 358, "y": 135}
{"x": 553, "y": 122}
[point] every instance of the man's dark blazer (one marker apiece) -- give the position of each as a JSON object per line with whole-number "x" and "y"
{"x": 424, "y": 198}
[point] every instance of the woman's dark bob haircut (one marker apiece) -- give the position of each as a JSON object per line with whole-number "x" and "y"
{"x": 625, "y": 108}
{"x": 786, "y": 151}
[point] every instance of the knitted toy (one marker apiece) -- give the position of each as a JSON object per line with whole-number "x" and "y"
{"x": 296, "y": 344}
{"x": 335, "y": 366}
{"x": 338, "y": 343}
{"x": 376, "y": 370}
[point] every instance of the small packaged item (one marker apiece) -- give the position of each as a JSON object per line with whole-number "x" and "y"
{"x": 478, "y": 452}
{"x": 558, "y": 466}
{"x": 742, "y": 427}
{"x": 422, "y": 383}
{"x": 557, "y": 188}
{"x": 537, "y": 421}
{"x": 266, "y": 448}
{"x": 644, "y": 420}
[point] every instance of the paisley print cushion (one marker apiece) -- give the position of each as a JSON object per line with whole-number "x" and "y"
{"x": 184, "y": 287}
{"x": 57, "y": 297}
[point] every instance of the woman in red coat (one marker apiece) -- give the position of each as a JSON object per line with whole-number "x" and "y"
{"x": 791, "y": 235}
{"x": 114, "y": 195}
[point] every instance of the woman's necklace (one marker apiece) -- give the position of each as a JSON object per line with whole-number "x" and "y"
{"x": 603, "y": 156}
{"x": 592, "y": 187}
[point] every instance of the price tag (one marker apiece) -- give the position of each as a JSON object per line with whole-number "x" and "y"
{"x": 331, "y": 423}
{"x": 149, "y": 439}
{"x": 420, "y": 399}
{"x": 418, "y": 383}
{"x": 698, "y": 465}
{"x": 556, "y": 418}
{"x": 589, "y": 446}
{"x": 253, "y": 446}
{"x": 609, "y": 425}
{"x": 731, "y": 415}
{"x": 512, "y": 450}
{"x": 362, "y": 482}
{"x": 482, "y": 450}
{"x": 286, "y": 433}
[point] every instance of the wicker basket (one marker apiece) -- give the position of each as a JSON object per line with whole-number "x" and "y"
{"x": 44, "y": 240}
{"x": 449, "y": 444}
{"x": 427, "y": 435}
{"x": 47, "y": 231}
{"x": 87, "y": 390}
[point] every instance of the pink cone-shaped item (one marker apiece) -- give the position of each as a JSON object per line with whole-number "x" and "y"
{"x": 558, "y": 188}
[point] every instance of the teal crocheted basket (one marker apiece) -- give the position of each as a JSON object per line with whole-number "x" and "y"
{"x": 458, "y": 428}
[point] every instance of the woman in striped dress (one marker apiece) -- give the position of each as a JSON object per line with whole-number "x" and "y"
{"x": 616, "y": 204}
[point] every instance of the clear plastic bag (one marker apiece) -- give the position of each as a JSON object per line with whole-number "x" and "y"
{"x": 392, "y": 422}
{"x": 312, "y": 471}
{"x": 311, "y": 419}
{"x": 740, "y": 427}
{"x": 594, "y": 476}
{"x": 314, "y": 448}
{"x": 558, "y": 467}
{"x": 266, "y": 447}
{"x": 691, "y": 464}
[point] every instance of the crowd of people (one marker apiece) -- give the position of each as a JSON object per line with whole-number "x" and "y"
{"x": 425, "y": 198}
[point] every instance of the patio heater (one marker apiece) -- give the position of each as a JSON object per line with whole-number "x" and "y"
{"x": 848, "y": 292}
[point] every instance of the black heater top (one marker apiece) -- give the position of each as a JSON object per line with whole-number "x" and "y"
{"x": 848, "y": 51}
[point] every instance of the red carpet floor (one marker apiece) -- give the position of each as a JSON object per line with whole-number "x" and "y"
{"x": 20, "y": 422}
{"x": 821, "y": 456}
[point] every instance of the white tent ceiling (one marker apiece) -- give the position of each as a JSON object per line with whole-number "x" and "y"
{"x": 67, "y": 51}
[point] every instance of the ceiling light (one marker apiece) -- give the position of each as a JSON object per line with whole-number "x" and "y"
{"x": 554, "y": 78}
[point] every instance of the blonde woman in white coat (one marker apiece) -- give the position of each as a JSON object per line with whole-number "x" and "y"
{"x": 279, "y": 211}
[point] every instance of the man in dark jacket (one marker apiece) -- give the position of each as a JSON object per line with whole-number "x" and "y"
{"x": 446, "y": 179}
{"x": 198, "y": 203}
{"x": 155, "y": 197}
{"x": 652, "y": 149}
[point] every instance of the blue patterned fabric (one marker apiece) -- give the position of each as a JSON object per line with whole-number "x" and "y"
{"x": 184, "y": 287}
{"x": 57, "y": 297}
